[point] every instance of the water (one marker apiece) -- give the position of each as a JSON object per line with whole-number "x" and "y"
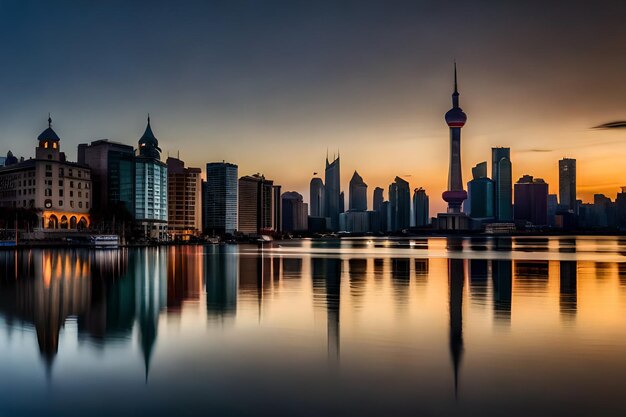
{"x": 489, "y": 326}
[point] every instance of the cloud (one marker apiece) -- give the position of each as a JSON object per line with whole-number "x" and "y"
{"x": 536, "y": 150}
{"x": 620, "y": 124}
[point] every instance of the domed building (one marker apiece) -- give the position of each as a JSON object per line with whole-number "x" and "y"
{"x": 57, "y": 190}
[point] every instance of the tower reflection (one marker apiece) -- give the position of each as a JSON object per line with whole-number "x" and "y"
{"x": 502, "y": 278}
{"x": 326, "y": 277}
{"x": 222, "y": 279}
{"x": 568, "y": 289}
{"x": 456, "y": 280}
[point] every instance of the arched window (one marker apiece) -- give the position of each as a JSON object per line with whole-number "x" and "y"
{"x": 82, "y": 224}
{"x": 73, "y": 222}
{"x": 64, "y": 222}
{"x": 53, "y": 222}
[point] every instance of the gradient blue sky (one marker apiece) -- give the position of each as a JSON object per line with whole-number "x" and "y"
{"x": 270, "y": 85}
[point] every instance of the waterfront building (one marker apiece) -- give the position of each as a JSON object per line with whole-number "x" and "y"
{"x": 150, "y": 188}
{"x": 332, "y": 192}
{"x": 480, "y": 194}
{"x": 277, "y": 209}
{"x": 620, "y": 209}
{"x": 531, "y": 200}
{"x": 399, "y": 217}
{"x": 553, "y": 204}
{"x": 358, "y": 193}
{"x": 220, "y": 199}
{"x": 454, "y": 219}
{"x": 255, "y": 204}
{"x": 316, "y": 194}
{"x": 184, "y": 203}
{"x": 377, "y": 200}
{"x": 112, "y": 167}
{"x": 355, "y": 221}
{"x": 420, "y": 207}
{"x": 567, "y": 184}
{"x": 294, "y": 212}
{"x": 502, "y": 175}
{"x": 58, "y": 191}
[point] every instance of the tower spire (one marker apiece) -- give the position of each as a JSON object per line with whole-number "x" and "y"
{"x": 455, "y": 95}
{"x": 49, "y": 120}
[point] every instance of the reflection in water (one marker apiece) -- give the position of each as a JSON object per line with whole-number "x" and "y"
{"x": 456, "y": 279}
{"x": 326, "y": 275}
{"x": 568, "y": 289}
{"x": 221, "y": 276}
{"x": 146, "y": 307}
{"x": 502, "y": 278}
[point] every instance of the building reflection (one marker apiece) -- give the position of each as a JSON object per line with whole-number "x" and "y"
{"x": 184, "y": 275}
{"x": 456, "y": 280}
{"x": 568, "y": 289}
{"x": 222, "y": 280}
{"x": 502, "y": 279}
{"x": 357, "y": 273}
{"x": 326, "y": 277}
{"x": 478, "y": 280}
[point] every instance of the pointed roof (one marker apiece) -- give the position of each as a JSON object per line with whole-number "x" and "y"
{"x": 148, "y": 135}
{"x": 148, "y": 143}
{"x": 49, "y": 133}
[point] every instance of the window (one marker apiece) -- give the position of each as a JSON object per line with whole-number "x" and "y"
{"x": 71, "y": 193}
{"x": 48, "y": 192}
{"x": 71, "y": 204}
{"x": 61, "y": 172}
{"x": 80, "y": 185}
{"x": 71, "y": 184}
{"x": 80, "y": 174}
{"x": 70, "y": 172}
{"x": 60, "y": 183}
{"x": 60, "y": 203}
{"x": 61, "y": 193}
{"x": 80, "y": 204}
{"x": 48, "y": 167}
{"x": 87, "y": 205}
{"x": 80, "y": 194}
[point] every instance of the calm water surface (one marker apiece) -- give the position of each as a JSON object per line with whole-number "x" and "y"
{"x": 481, "y": 326}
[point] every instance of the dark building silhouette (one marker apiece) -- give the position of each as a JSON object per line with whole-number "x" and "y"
{"x": 358, "y": 193}
{"x": 421, "y": 212}
{"x": 316, "y": 194}
{"x": 531, "y": 200}
{"x": 480, "y": 194}
{"x": 502, "y": 279}
{"x": 399, "y": 205}
{"x": 255, "y": 204}
{"x": 221, "y": 274}
{"x": 326, "y": 276}
{"x": 502, "y": 175}
{"x": 294, "y": 212}
{"x": 332, "y": 192}
{"x": 568, "y": 294}
{"x": 567, "y": 184}
{"x": 378, "y": 199}
{"x": 455, "y": 195}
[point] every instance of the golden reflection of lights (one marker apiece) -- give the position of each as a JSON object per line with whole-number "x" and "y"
{"x": 47, "y": 270}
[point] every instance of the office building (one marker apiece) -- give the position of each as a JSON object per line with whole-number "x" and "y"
{"x": 316, "y": 194}
{"x": 420, "y": 208}
{"x": 294, "y": 212}
{"x": 480, "y": 194}
{"x": 112, "y": 167}
{"x": 332, "y": 192}
{"x": 567, "y": 184}
{"x": 502, "y": 175}
{"x": 378, "y": 198}
{"x": 184, "y": 205}
{"x": 220, "y": 199}
{"x": 58, "y": 191}
{"x": 531, "y": 201}
{"x": 150, "y": 188}
{"x": 277, "y": 206}
{"x": 399, "y": 216}
{"x": 358, "y": 193}
{"x": 454, "y": 219}
{"x": 255, "y": 205}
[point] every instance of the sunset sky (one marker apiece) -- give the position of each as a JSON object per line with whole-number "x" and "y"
{"x": 270, "y": 85}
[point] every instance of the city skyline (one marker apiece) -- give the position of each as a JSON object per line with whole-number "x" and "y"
{"x": 328, "y": 87}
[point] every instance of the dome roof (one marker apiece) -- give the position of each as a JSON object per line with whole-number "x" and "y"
{"x": 49, "y": 133}
{"x": 10, "y": 159}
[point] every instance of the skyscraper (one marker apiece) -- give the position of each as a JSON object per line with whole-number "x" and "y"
{"x": 455, "y": 195}
{"x": 567, "y": 184}
{"x": 184, "y": 205}
{"x": 220, "y": 204}
{"x": 255, "y": 204}
{"x": 378, "y": 199}
{"x": 332, "y": 193}
{"x": 358, "y": 193}
{"x": 295, "y": 211}
{"x": 531, "y": 200}
{"x": 277, "y": 207}
{"x": 480, "y": 201}
{"x": 501, "y": 172}
{"x": 150, "y": 187}
{"x": 316, "y": 194}
{"x": 400, "y": 205}
{"x": 420, "y": 207}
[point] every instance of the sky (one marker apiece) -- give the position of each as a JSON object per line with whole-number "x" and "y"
{"x": 271, "y": 85}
